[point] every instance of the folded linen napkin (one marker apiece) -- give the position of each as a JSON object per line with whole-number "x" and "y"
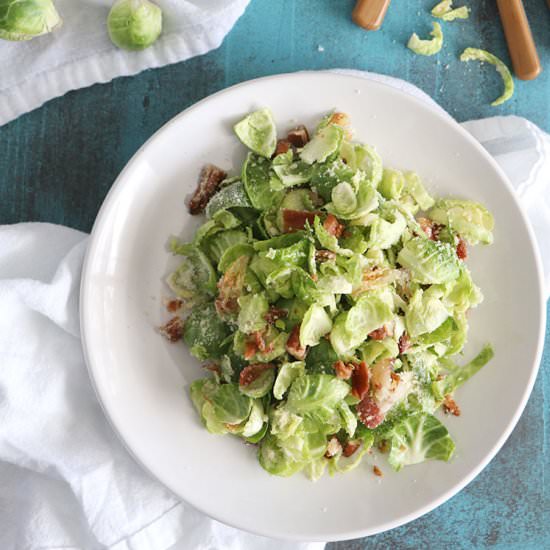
{"x": 80, "y": 53}
{"x": 65, "y": 479}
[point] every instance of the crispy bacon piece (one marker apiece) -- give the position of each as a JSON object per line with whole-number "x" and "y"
{"x": 274, "y": 314}
{"x": 431, "y": 228}
{"x": 324, "y": 255}
{"x": 404, "y": 343}
{"x": 299, "y": 136}
{"x": 381, "y": 333}
{"x": 450, "y": 406}
{"x": 261, "y": 344}
{"x": 251, "y": 372}
{"x": 250, "y": 349}
{"x": 230, "y": 287}
{"x": 384, "y": 446}
{"x": 293, "y": 345}
{"x": 333, "y": 226}
{"x": 395, "y": 377}
{"x": 283, "y": 146}
{"x": 333, "y": 448}
{"x": 369, "y": 412}
{"x": 173, "y": 305}
{"x": 461, "y": 249}
{"x": 294, "y": 220}
{"x": 350, "y": 447}
{"x": 209, "y": 182}
{"x": 377, "y": 471}
{"x": 173, "y": 329}
{"x": 343, "y": 370}
{"x": 360, "y": 380}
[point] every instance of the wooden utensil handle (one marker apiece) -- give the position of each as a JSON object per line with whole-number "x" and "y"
{"x": 369, "y": 14}
{"x": 523, "y": 52}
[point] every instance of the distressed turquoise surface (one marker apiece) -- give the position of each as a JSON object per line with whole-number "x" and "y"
{"x": 58, "y": 162}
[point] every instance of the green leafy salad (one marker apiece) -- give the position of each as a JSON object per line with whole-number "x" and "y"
{"x": 327, "y": 297}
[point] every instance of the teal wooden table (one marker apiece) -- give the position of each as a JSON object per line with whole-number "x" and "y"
{"x": 58, "y": 162}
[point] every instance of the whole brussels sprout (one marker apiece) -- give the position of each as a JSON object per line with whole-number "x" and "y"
{"x": 25, "y": 19}
{"x": 134, "y": 24}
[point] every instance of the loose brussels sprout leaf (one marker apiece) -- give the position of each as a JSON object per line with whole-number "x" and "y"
{"x": 384, "y": 233}
{"x": 323, "y": 420}
{"x": 216, "y": 245}
{"x": 458, "y": 375}
{"x": 427, "y": 47}
{"x": 195, "y": 278}
{"x": 469, "y": 219}
{"x": 273, "y": 259}
{"x": 327, "y": 175}
{"x": 315, "y": 469}
{"x": 257, "y": 179}
{"x": 373, "y": 351}
{"x": 324, "y": 143}
{"x": 349, "y": 420}
{"x": 274, "y": 458}
{"x": 392, "y": 184}
{"x": 291, "y": 172}
{"x": 311, "y": 391}
{"x": 430, "y": 262}
{"x": 197, "y": 391}
{"x": 281, "y": 241}
{"x": 367, "y": 200}
{"x": 204, "y": 333}
{"x": 257, "y": 131}
{"x": 321, "y": 358}
{"x": 316, "y": 324}
{"x": 233, "y": 253}
{"x": 26, "y": 19}
{"x": 328, "y": 241}
{"x": 231, "y": 406}
{"x": 363, "y": 157}
{"x": 416, "y": 192}
{"x": 444, "y": 11}
{"x": 474, "y": 54}
{"x": 283, "y": 422}
{"x": 355, "y": 240}
{"x": 343, "y": 198}
{"x": 424, "y": 314}
{"x": 417, "y": 438}
{"x": 352, "y": 327}
{"x": 232, "y": 196}
{"x": 462, "y": 294}
{"x": 288, "y": 372}
{"x": 134, "y": 24}
{"x": 255, "y": 421}
{"x": 257, "y": 437}
{"x": 210, "y": 420}
{"x": 261, "y": 386}
{"x": 253, "y": 309}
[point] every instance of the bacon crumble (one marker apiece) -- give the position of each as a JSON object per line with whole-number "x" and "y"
{"x": 299, "y": 136}
{"x": 343, "y": 370}
{"x": 333, "y": 226}
{"x": 450, "y": 406}
{"x": 209, "y": 182}
{"x": 173, "y": 329}
{"x": 293, "y": 345}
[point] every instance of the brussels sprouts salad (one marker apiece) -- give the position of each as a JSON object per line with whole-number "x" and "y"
{"x": 327, "y": 297}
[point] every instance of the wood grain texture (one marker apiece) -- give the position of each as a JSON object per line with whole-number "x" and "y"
{"x": 58, "y": 162}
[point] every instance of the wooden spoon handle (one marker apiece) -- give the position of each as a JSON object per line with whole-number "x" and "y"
{"x": 521, "y": 46}
{"x": 369, "y": 14}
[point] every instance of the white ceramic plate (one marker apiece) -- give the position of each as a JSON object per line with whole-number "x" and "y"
{"x": 140, "y": 378}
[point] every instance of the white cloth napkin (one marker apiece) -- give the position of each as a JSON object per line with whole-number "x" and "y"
{"x": 80, "y": 53}
{"x": 65, "y": 479}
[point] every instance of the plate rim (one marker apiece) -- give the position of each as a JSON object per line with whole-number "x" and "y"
{"x": 444, "y": 117}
